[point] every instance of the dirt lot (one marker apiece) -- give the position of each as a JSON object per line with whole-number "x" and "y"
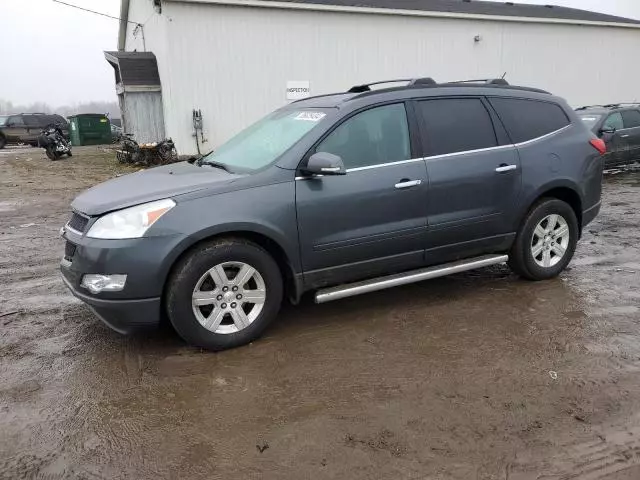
{"x": 477, "y": 376}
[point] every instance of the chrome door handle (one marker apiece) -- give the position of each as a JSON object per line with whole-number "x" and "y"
{"x": 408, "y": 184}
{"x": 506, "y": 168}
{"x": 625, "y": 136}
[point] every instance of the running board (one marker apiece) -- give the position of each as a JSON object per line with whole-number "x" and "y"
{"x": 382, "y": 283}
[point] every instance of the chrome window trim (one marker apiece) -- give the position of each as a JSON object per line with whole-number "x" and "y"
{"x": 445, "y": 155}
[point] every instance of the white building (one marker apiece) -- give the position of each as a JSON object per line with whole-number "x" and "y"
{"x": 234, "y": 59}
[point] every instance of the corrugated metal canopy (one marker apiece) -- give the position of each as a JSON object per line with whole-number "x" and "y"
{"x": 135, "y": 68}
{"x": 468, "y": 7}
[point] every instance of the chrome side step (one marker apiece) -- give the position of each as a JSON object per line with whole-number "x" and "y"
{"x": 382, "y": 283}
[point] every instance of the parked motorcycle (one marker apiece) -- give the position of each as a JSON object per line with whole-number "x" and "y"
{"x": 52, "y": 140}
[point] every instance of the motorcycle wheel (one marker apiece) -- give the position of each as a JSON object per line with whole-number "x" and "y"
{"x": 52, "y": 154}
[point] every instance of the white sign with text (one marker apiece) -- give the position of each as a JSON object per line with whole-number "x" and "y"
{"x": 297, "y": 90}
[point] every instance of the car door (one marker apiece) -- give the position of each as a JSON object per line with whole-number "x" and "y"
{"x": 474, "y": 177}
{"x": 372, "y": 220}
{"x": 616, "y": 140}
{"x": 34, "y": 124}
{"x": 631, "y": 133}
{"x": 15, "y": 129}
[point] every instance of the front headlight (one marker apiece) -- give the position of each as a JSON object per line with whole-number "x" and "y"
{"x": 130, "y": 222}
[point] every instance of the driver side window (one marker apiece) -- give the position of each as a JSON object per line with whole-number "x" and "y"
{"x": 373, "y": 137}
{"x": 16, "y": 121}
{"x": 614, "y": 121}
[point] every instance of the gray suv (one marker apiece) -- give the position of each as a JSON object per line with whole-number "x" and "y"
{"x": 341, "y": 195}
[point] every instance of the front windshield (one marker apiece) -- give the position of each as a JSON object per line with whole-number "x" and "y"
{"x": 263, "y": 142}
{"x": 3, "y": 120}
{"x": 590, "y": 120}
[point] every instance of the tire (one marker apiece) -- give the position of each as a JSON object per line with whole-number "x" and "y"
{"x": 554, "y": 255}
{"x": 51, "y": 154}
{"x": 69, "y": 153}
{"x": 195, "y": 274}
{"x": 3, "y": 142}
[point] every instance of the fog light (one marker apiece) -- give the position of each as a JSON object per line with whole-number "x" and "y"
{"x": 97, "y": 283}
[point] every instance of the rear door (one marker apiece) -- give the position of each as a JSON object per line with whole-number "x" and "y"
{"x": 616, "y": 141}
{"x": 372, "y": 220}
{"x": 474, "y": 177}
{"x": 34, "y": 127}
{"x": 631, "y": 133}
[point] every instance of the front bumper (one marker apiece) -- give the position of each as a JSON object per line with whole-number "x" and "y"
{"x": 123, "y": 316}
{"x": 145, "y": 262}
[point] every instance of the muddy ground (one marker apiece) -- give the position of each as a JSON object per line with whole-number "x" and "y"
{"x": 476, "y": 376}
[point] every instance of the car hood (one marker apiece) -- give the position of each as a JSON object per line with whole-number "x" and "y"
{"x": 149, "y": 185}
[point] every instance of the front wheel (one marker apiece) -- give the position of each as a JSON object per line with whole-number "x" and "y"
{"x": 3, "y": 142}
{"x": 52, "y": 154}
{"x": 546, "y": 241}
{"x": 224, "y": 294}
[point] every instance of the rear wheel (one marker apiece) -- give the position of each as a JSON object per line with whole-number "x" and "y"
{"x": 224, "y": 294}
{"x": 3, "y": 142}
{"x": 546, "y": 241}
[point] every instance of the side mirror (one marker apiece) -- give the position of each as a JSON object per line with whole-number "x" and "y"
{"x": 323, "y": 163}
{"x": 610, "y": 130}
{"x": 9, "y": 124}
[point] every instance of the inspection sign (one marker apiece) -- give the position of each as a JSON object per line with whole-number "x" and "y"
{"x": 297, "y": 89}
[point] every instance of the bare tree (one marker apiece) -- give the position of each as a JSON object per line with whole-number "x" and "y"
{"x": 110, "y": 109}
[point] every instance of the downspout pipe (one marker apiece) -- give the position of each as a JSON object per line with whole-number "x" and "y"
{"x": 124, "y": 21}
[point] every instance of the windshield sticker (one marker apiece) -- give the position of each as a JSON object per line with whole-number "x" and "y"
{"x": 311, "y": 116}
{"x": 589, "y": 119}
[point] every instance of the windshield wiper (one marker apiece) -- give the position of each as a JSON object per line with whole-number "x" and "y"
{"x": 213, "y": 163}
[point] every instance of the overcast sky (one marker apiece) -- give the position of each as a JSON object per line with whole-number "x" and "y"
{"x": 51, "y": 52}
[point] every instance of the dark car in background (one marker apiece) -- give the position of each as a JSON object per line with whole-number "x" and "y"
{"x": 26, "y": 127}
{"x": 619, "y": 126}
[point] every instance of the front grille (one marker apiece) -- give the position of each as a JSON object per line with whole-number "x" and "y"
{"x": 78, "y": 222}
{"x": 69, "y": 251}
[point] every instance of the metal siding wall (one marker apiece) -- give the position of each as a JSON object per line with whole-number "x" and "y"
{"x": 143, "y": 112}
{"x": 234, "y": 62}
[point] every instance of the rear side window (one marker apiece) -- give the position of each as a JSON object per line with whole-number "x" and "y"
{"x": 456, "y": 125}
{"x": 529, "y": 119}
{"x": 33, "y": 120}
{"x": 631, "y": 118}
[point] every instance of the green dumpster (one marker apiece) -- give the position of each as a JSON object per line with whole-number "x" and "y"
{"x": 89, "y": 129}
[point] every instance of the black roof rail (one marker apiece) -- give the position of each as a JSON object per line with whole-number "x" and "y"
{"x": 488, "y": 81}
{"x": 32, "y": 113}
{"x": 366, "y": 87}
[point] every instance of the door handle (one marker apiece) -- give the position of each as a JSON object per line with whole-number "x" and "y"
{"x": 506, "y": 168}
{"x": 625, "y": 136}
{"x": 408, "y": 184}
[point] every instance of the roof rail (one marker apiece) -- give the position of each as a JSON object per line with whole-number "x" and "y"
{"x": 488, "y": 81}
{"x": 609, "y": 105}
{"x": 410, "y": 81}
{"x": 32, "y": 113}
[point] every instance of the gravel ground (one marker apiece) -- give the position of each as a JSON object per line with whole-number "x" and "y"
{"x": 475, "y": 376}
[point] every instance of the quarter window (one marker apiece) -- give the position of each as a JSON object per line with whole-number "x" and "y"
{"x": 528, "y": 119}
{"x": 631, "y": 118}
{"x": 376, "y": 136}
{"x": 613, "y": 121}
{"x": 456, "y": 125}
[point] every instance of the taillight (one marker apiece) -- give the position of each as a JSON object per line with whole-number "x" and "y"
{"x": 599, "y": 145}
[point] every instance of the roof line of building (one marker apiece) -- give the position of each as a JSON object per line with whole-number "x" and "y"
{"x": 292, "y": 5}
